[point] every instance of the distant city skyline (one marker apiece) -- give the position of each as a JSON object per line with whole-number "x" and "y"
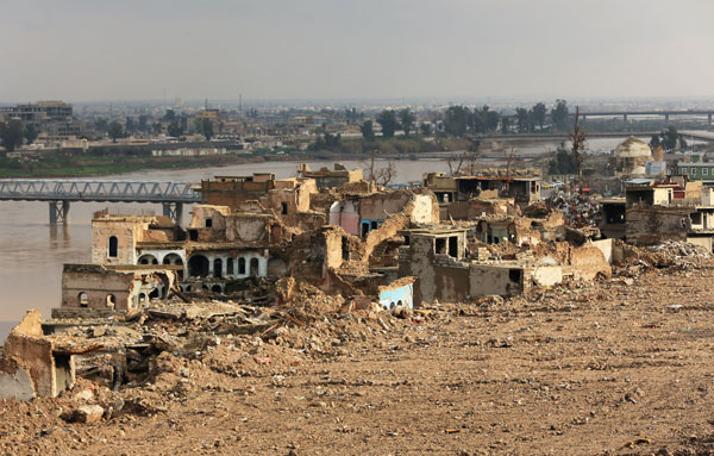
{"x": 453, "y": 50}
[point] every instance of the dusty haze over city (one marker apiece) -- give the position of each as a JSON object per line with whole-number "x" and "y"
{"x": 84, "y": 50}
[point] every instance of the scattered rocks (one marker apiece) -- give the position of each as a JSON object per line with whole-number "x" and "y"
{"x": 86, "y": 414}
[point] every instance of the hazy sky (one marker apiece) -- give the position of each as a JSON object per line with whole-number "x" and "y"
{"x": 82, "y": 50}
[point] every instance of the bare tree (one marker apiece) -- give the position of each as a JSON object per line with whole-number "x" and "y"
{"x": 473, "y": 155}
{"x": 384, "y": 176}
{"x": 455, "y": 169}
{"x": 380, "y": 176}
{"x": 577, "y": 137}
{"x": 511, "y": 157}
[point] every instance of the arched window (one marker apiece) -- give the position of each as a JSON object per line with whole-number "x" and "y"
{"x": 111, "y": 301}
{"x": 113, "y": 247}
{"x": 148, "y": 259}
{"x": 83, "y": 299}
{"x": 172, "y": 258}
{"x": 198, "y": 266}
{"x": 254, "y": 267}
{"x": 218, "y": 268}
{"x": 229, "y": 267}
{"x": 241, "y": 266}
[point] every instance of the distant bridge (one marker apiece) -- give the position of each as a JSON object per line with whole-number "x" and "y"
{"x": 709, "y": 113}
{"x": 666, "y": 113}
{"x": 59, "y": 194}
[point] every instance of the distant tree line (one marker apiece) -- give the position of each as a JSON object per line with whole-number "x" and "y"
{"x": 459, "y": 121}
{"x": 668, "y": 138}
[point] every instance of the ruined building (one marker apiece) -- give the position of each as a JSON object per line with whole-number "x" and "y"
{"x": 330, "y": 178}
{"x": 524, "y": 189}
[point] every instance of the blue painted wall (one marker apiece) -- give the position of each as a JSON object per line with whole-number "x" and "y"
{"x": 390, "y": 298}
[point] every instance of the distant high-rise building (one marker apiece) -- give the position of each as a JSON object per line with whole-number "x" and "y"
{"x": 52, "y": 119}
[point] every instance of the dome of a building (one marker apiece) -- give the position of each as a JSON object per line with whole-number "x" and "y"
{"x": 633, "y": 148}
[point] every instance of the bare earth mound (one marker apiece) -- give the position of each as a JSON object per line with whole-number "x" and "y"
{"x": 618, "y": 367}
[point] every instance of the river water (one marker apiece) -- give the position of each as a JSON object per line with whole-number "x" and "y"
{"x": 32, "y": 252}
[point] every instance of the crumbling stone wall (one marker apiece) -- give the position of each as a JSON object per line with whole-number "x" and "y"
{"x": 345, "y": 214}
{"x": 27, "y": 345}
{"x": 128, "y": 231}
{"x": 650, "y": 225}
{"x": 502, "y": 280}
{"x": 96, "y": 283}
{"x": 587, "y": 262}
{"x": 204, "y": 215}
{"x": 476, "y": 207}
{"x": 248, "y": 228}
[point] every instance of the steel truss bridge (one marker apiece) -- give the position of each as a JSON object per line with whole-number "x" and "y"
{"x": 59, "y": 193}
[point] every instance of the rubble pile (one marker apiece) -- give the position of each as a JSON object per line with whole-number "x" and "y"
{"x": 580, "y": 210}
{"x": 503, "y": 172}
{"x": 670, "y": 254}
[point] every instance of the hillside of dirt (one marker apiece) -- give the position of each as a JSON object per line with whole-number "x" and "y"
{"x": 618, "y": 367}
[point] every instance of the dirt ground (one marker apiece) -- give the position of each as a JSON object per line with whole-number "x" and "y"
{"x": 618, "y": 367}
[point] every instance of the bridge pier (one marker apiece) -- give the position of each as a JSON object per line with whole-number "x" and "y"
{"x": 666, "y": 118}
{"x": 709, "y": 117}
{"x": 59, "y": 212}
{"x": 174, "y": 211}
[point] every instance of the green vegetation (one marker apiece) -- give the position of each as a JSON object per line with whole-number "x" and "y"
{"x": 406, "y": 121}
{"x": 83, "y": 164}
{"x": 30, "y": 133}
{"x": 115, "y": 131}
{"x": 388, "y": 120}
{"x": 11, "y": 134}
{"x": 668, "y": 138}
{"x": 367, "y": 129}
{"x": 116, "y": 160}
{"x": 559, "y": 115}
{"x": 564, "y": 161}
{"x": 328, "y": 145}
{"x": 205, "y": 127}
{"x": 458, "y": 120}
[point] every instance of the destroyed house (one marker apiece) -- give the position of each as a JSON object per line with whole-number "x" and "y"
{"x": 444, "y": 270}
{"x": 220, "y": 246}
{"x": 646, "y": 192}
{"x": 496, "y": 230}
{"x": 437, "y": 259}
{"x": 361, "y": 214}
{"x": 330, "y": 178}
{"x": 524, "y": 189}
{"x": 231, "y": 191}
{"x": 225, "y": 245}
{"x": 478, "y": 207}
{"x": 612, "y": 218}
{"x": 286, "y": 198}
{"x": 115, "y": 237}
{"x": 34, "y": 365}
{"x": 91, "y": 287}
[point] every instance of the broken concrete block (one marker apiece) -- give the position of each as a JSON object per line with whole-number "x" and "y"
{"x": 84, "y": 396}
{"x": 15, "y": 380}
{"x": 86, "y": 414}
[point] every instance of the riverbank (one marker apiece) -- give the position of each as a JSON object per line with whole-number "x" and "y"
{"x": 93, "y": 166}
{"x": 104, "y": 161}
